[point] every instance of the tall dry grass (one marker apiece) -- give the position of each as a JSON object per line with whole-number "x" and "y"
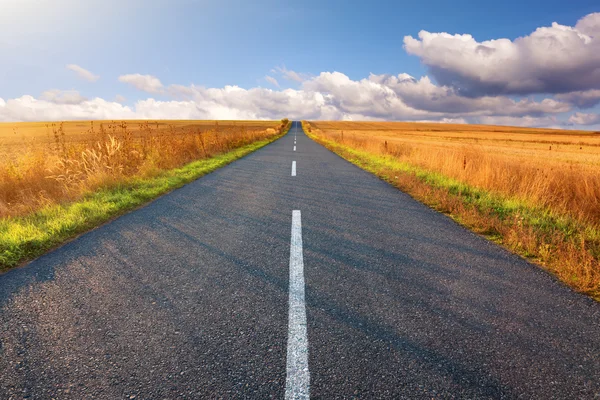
{"x": 565, "y": 188}
{"x": 64, "y": 169}
{"x": 541, "y": 206}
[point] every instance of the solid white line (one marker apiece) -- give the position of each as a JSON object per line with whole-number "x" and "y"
{"x": 294, "y": 148}
{"x": 297, "y": 382}
{"x": 293, "y": 168}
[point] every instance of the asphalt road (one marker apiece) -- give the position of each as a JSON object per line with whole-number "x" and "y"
{"x": 212, "y": 292}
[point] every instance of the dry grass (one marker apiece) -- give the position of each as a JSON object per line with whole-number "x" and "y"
{"x": 48, "y": 163}
{"x": 546, "y": 183}
{"x": 547, "y": 168}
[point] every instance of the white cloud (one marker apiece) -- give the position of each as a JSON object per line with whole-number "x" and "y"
{"x": 146, "y": 83}
{"x": 256, "y": 102}
{"x": 365, "y": 97}
{"x": 328, "y": 96}
{"x": 272, "y": 80}
{"x": 584, "y": 119}
{"x": 291, "y": 75}
{"x": 62, "y": 96}
{"x": 556, "y": 59}
{"x": 154, "y": 109}
{"x": 423, "y": 94}
{"x": 120, "y": 99}
{"x": 582, "y": 99}
{"x": 83, "y": 73}
{"x": 28, "y": 108}
{"x": 181, "y": 91}
{"x": 403, "y": 97}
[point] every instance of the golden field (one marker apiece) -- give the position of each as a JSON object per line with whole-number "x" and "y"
{"x": 546, "y": 167}
{"x": 22, "y": 137}
{"x": 536, "y": 191}
{"x": 47, "y": 163}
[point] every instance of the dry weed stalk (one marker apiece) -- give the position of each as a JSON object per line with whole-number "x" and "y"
{"x": 66, "y": 169}
{"x": 573, "y": 192}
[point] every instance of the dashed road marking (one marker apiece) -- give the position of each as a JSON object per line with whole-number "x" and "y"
{"x": 297, "y": 383}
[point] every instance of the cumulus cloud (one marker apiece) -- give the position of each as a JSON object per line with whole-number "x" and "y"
{"x": 404, "y": 97}
{"x": 272, "y": 80}
{"x": 28, "y": 108}
{"x": 145, "y": 83}
{"x": 257, "y": 103}
{"x": 423, "y": 94}
{"x": 328, "y": 96}
{"x": 584, "y": 119}
{"x": 555, "y": 59}
{"x": 83, "y": 73}
{"x": 582, "y": 99}
{"x": 62, "y": 96}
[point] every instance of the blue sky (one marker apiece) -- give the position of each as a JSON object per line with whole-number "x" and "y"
{"x": 204, "y": 44}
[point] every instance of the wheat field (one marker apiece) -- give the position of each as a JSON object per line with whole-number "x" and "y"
{"x": 48, "y": 163}
{"x": 543, "y": 167}
{"x": 535, "y": 191}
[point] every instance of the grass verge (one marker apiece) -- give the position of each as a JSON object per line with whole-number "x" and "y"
{"x": 560, "y": 244}
{"x": 24, "y": 238}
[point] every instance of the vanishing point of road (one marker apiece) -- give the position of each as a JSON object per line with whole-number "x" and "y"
{"x": 290, "y": 274}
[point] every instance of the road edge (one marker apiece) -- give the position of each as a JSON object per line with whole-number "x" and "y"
{"x": 139, "y": 194}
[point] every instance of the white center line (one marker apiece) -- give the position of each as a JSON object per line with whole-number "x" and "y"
{"x": 294, "y": 148}
{"x": 293, "y": 168}
{"x": 297, "y": 383}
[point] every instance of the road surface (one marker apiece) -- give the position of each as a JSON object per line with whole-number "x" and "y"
{"x": 286, "y": 274}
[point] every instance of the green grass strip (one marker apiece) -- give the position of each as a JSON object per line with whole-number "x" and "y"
{"x": 27, "y": 237}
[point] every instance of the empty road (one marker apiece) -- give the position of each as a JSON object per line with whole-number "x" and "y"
{"x": 291, "y": 273}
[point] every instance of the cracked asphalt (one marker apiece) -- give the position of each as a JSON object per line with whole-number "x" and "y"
{"x": 187, "y": 298}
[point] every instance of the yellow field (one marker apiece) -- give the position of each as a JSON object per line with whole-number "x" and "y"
{"x": 536, "y": 191}
{"x": 548, "y": 168}
{"x": 541, "y": 145}
{"x": 47, "y": 163}
{"x": 23, "y": 136}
